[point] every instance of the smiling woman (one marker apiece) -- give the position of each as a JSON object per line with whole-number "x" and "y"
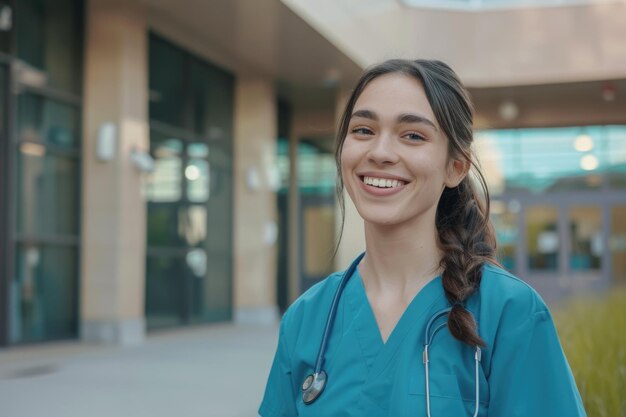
{"x": 428, "y": 277}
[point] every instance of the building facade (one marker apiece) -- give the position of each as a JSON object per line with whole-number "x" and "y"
{"x": 171, "y": 164}
{"x": 138, "y": 157}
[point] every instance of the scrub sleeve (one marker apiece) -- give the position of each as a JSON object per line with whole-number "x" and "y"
{"x": 279, "y": 398}
{"x": 530, "y": 375}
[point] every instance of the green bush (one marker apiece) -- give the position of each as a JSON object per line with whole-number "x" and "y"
{"x": 592, "y": 330}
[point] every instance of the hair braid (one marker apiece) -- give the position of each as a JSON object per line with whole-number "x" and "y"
{"x": 463, "y": 228}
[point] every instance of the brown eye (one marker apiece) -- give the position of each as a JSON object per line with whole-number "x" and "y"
{"x": 361, "y": 131}
{"x": 413, "y": 136}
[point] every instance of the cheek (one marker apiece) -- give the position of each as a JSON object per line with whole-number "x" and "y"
{"x": 349, "y": 158}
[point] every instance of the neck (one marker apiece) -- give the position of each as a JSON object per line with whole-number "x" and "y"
{"x": 403, "y": 257}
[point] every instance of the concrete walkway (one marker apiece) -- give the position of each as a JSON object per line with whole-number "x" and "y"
{"x": 209, "y": 371}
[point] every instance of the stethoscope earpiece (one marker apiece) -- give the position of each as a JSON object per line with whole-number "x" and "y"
{"x": 313, "y": 386}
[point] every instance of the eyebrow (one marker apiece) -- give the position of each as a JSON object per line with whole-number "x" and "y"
{"x": 403, "y": 118}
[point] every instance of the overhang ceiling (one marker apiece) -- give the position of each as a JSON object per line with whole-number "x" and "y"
{"x": 253, "y": 37}
{"x": 564, "y": 104}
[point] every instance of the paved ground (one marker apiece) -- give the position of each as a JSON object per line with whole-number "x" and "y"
{"x": 215, "y": 371}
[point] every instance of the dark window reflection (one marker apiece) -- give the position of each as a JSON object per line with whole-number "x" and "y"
{"x": 504, "y": 217}
{"x": 47, "y": 121}
{"x": 49, "y": 38}
{"x": 543, "y": 238}
{"x": 188, "y": 93}
{"x": 190, "y": 192}
{"x": 167, "y": 83}
{"x": 6, "y": 23}
{"x": 47, "y": 192}
{"x": 586, "y": 240}
{"x": 174, "y": 225}
{"x": 43, "y": 295}
{"x": 166, "y": 289}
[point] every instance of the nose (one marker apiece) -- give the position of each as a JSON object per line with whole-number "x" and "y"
{"x": 382, "y": 150}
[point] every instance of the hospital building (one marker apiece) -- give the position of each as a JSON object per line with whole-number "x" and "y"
{"x": 170, "y": 163}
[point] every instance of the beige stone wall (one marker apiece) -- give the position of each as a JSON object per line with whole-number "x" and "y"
{"x": 113, "y": 222}
{"x": 255, "y": 200}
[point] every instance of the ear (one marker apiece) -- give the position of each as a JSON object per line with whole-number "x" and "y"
{"x": 456, "y": 172}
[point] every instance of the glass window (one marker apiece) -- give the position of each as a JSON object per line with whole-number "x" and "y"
{"x": 615, "y": 149}
{"x": 176, "y": 225}
{"x": 212, "y": 101}
{"x": 586, "y": 241}
{"x": 48, "y": 121}
{"x": 47, "y": 192}
{"x": 617, "y": 244}
{"x": 543, "y": 238}
{"x": 44, "y": 294}
{"x": 168, "y": 101}
{"x": 6, "y": 24}
{"x": 319, "y": 232}
{"x": 49, "y": 38}
{"x": 166, "y": 289}
{"x": 165, "y": 183}
{"x": 504, "y": 218}
{"x": 282, "y": 163}
{"x": 317, "y": 171}
{"x": 198, "y": 178}
{"x": 190, "y": 191}
{"x": 553, "y": 159}
{"x": 189, "y": 93}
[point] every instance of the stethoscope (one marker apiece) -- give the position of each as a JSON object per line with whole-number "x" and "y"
{"x": 314, "y": 383}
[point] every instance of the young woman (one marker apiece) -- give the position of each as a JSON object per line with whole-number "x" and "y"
{"x": 425, "y": 322}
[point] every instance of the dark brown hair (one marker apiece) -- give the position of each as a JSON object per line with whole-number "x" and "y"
{"x": 465, "y": 233}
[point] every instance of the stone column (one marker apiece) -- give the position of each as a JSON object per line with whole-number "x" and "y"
{"x": 114, "y": 212}
{"x": 256, "y": 129}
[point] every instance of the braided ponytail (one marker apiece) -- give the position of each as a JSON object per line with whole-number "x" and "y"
{"x": 466, "y": 242}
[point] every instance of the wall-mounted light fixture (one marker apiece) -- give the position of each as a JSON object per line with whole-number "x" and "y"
{"x": 105, "y": 142}
{"x": 142, "y": 160}
{"x": 508, "y": 110}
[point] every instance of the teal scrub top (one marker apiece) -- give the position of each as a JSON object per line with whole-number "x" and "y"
{"x": 523, "y": 371}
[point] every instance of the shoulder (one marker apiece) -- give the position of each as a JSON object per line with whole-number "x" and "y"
{"x": 506, "y": 296}
{"x": 317, "y": 298}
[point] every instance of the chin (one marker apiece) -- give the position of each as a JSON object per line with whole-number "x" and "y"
{"x": 381, "y": 217}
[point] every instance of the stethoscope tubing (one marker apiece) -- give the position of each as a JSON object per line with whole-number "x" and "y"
{"x": 428, "y": 339}
{"x": 314, "y": 383}
{"x": 333, "y": 311}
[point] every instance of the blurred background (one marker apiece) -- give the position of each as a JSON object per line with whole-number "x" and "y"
{"x": 167, "y": 183}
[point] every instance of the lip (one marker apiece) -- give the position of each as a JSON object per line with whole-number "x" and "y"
{"x": 380, "y": 192}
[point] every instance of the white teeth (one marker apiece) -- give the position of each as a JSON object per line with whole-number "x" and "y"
{"x": 382, "y": 182}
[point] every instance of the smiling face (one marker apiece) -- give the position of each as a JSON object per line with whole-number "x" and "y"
{"x": 394, "y": 160}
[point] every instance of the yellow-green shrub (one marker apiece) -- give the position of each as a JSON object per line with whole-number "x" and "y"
{"x": 592, "y": 330}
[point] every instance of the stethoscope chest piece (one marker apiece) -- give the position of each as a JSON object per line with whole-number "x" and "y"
{"x": 313, "y": 386}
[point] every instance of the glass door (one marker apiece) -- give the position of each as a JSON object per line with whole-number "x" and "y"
{"x": 4, "y": 206}
{"x": 585, "y": 246}
{"x": 564, "y": 248}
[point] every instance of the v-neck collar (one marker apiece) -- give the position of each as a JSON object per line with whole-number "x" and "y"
{"x": 376, "y": 353}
